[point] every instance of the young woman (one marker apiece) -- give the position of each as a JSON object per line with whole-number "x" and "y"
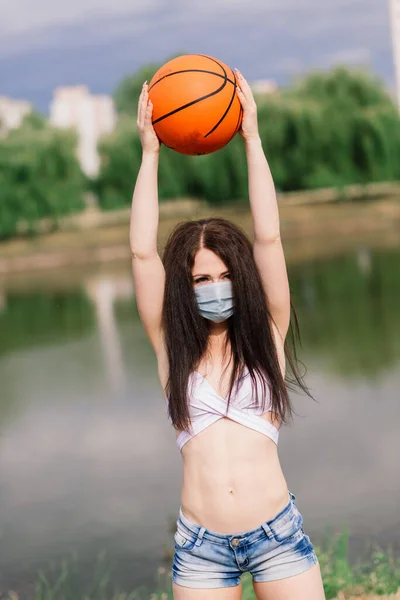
{"x": 216, "y": 310}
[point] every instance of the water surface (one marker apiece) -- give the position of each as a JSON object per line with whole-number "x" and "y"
{"x": 88, "y": 459}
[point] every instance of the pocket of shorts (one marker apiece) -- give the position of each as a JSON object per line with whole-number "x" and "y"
{"x": 183, "y": 539}
{"x": 290, "y": 530}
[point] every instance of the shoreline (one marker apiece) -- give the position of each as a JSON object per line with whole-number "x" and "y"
{"x": 311, "y": 225}
{"x": 378, "y": 579}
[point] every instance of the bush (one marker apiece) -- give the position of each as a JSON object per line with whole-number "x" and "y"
{"x": 39, "y": 177}
{"x": 328, "y": 129}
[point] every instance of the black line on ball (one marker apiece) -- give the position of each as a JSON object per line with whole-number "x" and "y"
{"x": 190, "y": 71}
{"x": 226, "y": 111}
{"x": 240, "y": 115}
{"x": 235, "y": 84}
{"x": 226, "y": 79}
{"x": 237, "y": 126}
{"x": 176, "y": 110}
{"x": 238, "y": 122}
{"x": 214, "y": 60}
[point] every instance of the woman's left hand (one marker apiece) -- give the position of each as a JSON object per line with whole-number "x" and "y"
{"x": 249, "y": 128}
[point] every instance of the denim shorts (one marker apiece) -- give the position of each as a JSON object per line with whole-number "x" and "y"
{"x": 276, "y": 549}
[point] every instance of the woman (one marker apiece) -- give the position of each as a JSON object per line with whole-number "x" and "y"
{"x": 217, "y": 311}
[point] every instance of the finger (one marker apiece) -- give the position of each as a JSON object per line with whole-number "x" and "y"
{"x": 246, "y": 89}
{"x": 140, "y": 106}
{"x": 240, "y": 77}
{"x": 142, "y": 103}
{"x": 237, "y": 78}
{"x": 241, "y": 96}
{"x": 244, "y": 85}
{"x": 243, "y": 91}
{"x": 149, "y": 113}
{"x": 238, "y": 83}
{"x": 145, "y": 100}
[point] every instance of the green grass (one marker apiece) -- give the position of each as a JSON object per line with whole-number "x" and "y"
{"x": 380, "y": 575}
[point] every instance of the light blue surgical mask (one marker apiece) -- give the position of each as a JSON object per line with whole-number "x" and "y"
{"x": 215, "y": 300}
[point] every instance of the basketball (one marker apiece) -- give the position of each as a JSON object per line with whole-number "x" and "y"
{"x": 195, "y": 106}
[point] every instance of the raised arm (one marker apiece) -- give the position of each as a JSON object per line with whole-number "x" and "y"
{"x": 267, "y": 249}
{"x": 147, "y": 267}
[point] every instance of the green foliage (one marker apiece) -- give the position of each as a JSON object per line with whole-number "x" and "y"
{"x": 127, "y": 94}
{"x": 336, "y": 571}
{"x": 222, "y": 176}
{"x": 121, "y": 155}
{"x": 379, "y": 575}
{"x": 34, "y": 120}
{"x": 327, "y": 130}
{"x": 343, "y": 87}
{"x": 64, "y": 581}
{"x": 39, "y": 177}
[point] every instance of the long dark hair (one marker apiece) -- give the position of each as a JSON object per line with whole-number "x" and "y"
{"x": 250, "y": 335}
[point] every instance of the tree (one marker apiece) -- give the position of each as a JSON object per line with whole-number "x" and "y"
{"x": 34, "y": 120}
{"x": 343, "y": 87}
{"x": 127, "y": 94}
{"x": 39, "y": 177}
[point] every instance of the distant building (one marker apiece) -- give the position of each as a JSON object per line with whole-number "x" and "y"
{"x": 12, "y": 113}
{"x": 263, "y": 87}
{"x": 395, "y": 22}
{"x": 91, "y": 115}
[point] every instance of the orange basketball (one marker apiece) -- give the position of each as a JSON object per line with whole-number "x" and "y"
{"x": 195, "y": 106}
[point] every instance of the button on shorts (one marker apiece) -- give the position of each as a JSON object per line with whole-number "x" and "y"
{"x": 276, "y": 549}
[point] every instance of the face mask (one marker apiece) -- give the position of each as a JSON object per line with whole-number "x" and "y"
{"x": 215, "y": 300}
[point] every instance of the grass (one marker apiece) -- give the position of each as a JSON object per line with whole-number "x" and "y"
{"x": 379, "y": 577}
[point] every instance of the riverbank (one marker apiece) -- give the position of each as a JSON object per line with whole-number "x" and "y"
{"x": 376, "y": 579}
{"x": 312, "y": 224}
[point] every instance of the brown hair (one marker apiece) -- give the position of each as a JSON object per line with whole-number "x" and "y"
{"x": 249, "y": 328}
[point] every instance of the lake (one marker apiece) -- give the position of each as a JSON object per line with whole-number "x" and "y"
{"x": 88, "y": 459}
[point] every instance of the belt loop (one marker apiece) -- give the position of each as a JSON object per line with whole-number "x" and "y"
{"x": 200, "y": 536}
{"x": 267, "y": 530}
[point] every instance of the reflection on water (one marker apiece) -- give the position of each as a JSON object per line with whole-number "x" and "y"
{"x": 349, "y": 312}
{"x": 88, "y": 459}
{"x": 104, "y": 292}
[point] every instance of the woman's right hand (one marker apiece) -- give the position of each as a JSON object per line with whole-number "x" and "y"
{"x": 148, "y": 137}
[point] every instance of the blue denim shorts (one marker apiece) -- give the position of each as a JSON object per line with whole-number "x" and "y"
{"x": 276, "y": 549}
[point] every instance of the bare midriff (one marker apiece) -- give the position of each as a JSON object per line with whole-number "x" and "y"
{"x": 232, "y": 478}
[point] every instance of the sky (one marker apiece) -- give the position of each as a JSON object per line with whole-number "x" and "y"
{"x": 45, "y": 44}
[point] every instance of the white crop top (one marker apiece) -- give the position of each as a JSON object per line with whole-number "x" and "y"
{"x": 207, "y": 407}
